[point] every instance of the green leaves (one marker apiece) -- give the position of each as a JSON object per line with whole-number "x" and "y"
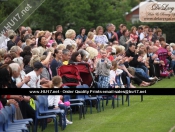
{"x": 86, "y": 13}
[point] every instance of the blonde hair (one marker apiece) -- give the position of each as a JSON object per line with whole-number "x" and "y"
{"x": 90, "y": 34}
{"x": 43, "y": 57}
{"x": 28, "y": 42}
{"x": 172, "y": 44}
{"x": 34, "y": 59}
{"x": 35, "y": 51}
{"x": 15, "y": 49}
{"x": 140, "y": 45}
{"x": 102, "y": 50}
{"x": 61, "y": 47}
{"x": 122, "y": 48}
{"x": 41, "y": 33}
{"x": 2, "y": 52}
{"x": 119, "y": 48}
{"x": 92, "y": 52}
{"x": 51, "y": 49}
{"x": 11, "y": 33}
{"x": 56, "y": 81}
{"x": 98, "y": 28}
{"x": 102, "y": 46}
{"x": 69, "y": 33}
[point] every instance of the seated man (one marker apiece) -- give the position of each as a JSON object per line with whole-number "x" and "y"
{"x": 35, "y": 81}
{"x": 133, "y": 61}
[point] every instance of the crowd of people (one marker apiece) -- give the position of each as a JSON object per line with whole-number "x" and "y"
{"x": 31, "y": 58}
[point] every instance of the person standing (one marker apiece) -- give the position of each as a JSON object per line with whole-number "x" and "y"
{"x": 103, "y": 69}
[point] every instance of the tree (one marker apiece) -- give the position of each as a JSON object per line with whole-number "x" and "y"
{"x": 86, "y": 13}
{"x": 74, "y": 13}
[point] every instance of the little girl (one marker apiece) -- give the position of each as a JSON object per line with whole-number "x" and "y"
{"x": 54, "y": 100}
{"x": 113, "y": 73}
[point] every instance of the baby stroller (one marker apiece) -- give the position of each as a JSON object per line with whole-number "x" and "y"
{"x": 76, "y": 74}
{"x": 85, "y": 74}
{"x": 70, "y": 75}
{"x": 164, "y": 69}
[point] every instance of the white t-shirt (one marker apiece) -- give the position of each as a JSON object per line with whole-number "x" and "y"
{"x": 3, "y": 42}
{"x": 53, "y": 100}
{"x": 69, "y": 42}
{"x": 113, "y": 75}
{"x": 142, "y": 36}
{"x": 21, "y": 77}
{"x": 34, "y": 80}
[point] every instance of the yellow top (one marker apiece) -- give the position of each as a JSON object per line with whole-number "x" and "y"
{"x": 65, "y": 63}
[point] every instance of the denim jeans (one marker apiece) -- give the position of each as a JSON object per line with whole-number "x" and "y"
{"x": 141, "y": 72}
{"x": 144, "y": 68}
{"x": 104, "y": 81}
{"x": 173, "y": 65}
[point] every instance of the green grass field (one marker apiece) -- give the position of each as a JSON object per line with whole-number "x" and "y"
{"x": 154, "y": 114}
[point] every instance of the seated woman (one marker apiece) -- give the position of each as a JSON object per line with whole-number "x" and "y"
{"x": 120, "y": 58}
{"x": 53, "y": 100}
{"x": 22, "y": 77}
{"x": 142, "y": 59}
{"x": 76, "y": 57}
{"x": 56, "y": 62}
{"x": 92, "y": 58}
{"x": 100, "y": 38}
{"x": 84, "y": 55}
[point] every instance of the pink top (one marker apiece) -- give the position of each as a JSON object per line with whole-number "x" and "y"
{"x": 134, "y": 37}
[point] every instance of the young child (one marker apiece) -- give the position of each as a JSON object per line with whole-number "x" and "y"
{"x": 113, "y": 73}
{"x": 54, "y": 100}
{"x": 103, "y": 69}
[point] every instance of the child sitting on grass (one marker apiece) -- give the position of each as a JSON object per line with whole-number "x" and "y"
{"x": 103, "y": 69}
{"x": 53, "y": 100}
